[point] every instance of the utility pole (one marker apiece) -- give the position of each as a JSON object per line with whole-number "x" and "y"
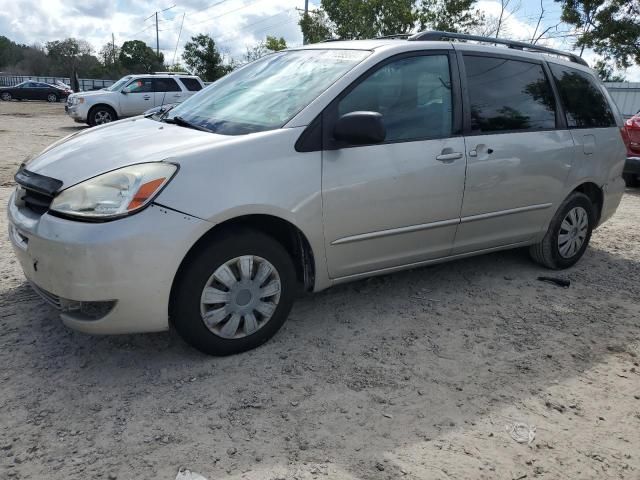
{"x": 157, "y": 38}
{"x": 306, "y": 15}
{"x": 113, "y": 47}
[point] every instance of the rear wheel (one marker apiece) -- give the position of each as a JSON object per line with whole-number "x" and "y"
{"x": 101, "y": 114}
{"x": 235, "y": 293}
{"x": 52, "y": 98}
{"x": 631, "y": 180}
{"x": 6, "y": 96}
{"x": 568, "y": 235}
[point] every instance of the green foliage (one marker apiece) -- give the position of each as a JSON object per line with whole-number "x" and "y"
{"x": 67, "y": 55}
{"x": 275, "y": 44}
{"x": 457, "y": 16}
{"x": 606, "y": 72}
{"x": 354, "y": 19}
{"x": 136, "y": 57}
{"x": 610, "y": 27}
{"x": 203, "y": 58}
{"x": 315, "y": 26}
{"x": 357, "y": 19}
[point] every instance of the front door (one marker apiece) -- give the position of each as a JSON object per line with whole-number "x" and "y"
{"x": 519, "y": 153}
{"x": 138, "y": 97}
{"x": 398, "y": 202}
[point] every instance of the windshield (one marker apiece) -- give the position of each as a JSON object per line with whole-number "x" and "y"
{"x": 267, "y": 93}
{"x": 119, "y": 84}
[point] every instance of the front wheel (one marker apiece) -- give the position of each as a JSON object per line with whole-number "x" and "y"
{"x": 568, "y": 235}
{"x": 235, "y": 293}
{"x": 52, "y": 98}
{"x": 6, "y": 96}
{"x": 101, "y": 115}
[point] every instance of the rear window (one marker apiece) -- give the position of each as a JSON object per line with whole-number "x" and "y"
{"x": 508, "y": 95}
{"x": 167, "y": 85}
{"x": 583, "y": 100}
{"x": 192, "y": 84}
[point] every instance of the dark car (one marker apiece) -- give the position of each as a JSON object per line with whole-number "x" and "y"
{"x": 31, "y": 90}
{"x": 632, "y": 165}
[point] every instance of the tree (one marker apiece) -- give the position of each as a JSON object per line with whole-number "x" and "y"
{"x": 457, "y": 16}
{"x": 315, "y": 26}
{"x": 274, "y": 44}
{"x": 65, "y": 55}
{"x": 203, "y": 58}
{"x": 356, "y": 19}
{"x": 606, "y": 72}
{"x": 270, "y": 45}
{"x": 610, "y": 27}
{"x": 136, "y": 57}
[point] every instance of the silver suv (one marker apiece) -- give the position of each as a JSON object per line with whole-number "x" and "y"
{"x": 312, "y": 167}
{"x": 130, "y": 96}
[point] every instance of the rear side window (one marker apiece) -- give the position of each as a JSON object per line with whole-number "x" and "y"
{"x": 192, "y": 84}
{"x": 412, "y": 94}
{"x": 583, "y": 100}
{"x": 167, "y": 85}
{"x": 508, "y": 95}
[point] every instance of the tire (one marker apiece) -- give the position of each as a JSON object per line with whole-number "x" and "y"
{"x": 552, "y": 252}
{"x": 101, "y": 114}
{"x": 6, "y": 96}
{"x": 631, "y": 180}
{"x": 52, "y": 98}
{"x": 190, "y": 305}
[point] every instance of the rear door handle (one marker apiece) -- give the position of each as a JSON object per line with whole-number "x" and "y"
{"x": 449, "y": 157}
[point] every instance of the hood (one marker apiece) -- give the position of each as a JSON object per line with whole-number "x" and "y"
{"x": 93, "y": 93}
{"x": 98, "y": 150}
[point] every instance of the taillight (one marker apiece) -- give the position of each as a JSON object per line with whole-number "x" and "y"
{"x": 625, "y": 136}
{"x": 633, "y": 123}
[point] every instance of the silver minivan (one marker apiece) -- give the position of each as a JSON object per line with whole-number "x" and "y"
{"x": 312, "y": 167}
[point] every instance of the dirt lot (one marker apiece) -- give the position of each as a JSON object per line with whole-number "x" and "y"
{"x": 414, "y": 375}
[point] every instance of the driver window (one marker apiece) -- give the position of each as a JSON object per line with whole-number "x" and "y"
{"x": 412, "y": 94}
{"x": 140, "y": 85}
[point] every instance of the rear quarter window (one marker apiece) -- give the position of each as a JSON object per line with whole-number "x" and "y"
{"x": 584, "y": 103}
{"x": 192, "y": 84}
{"x": 508, "y": 95}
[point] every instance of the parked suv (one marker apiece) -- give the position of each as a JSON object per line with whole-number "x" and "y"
{"x": 131, "y": 95}
{"x": 312, "y": 167}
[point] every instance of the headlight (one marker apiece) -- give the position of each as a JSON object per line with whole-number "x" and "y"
{"x": 114, "y": 194}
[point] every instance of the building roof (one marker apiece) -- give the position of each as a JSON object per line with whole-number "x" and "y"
{"x": 626, "y": 95}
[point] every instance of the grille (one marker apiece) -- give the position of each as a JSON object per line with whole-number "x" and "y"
{"x": 50, "y": 298}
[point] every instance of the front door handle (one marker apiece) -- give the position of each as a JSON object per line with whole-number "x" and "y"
{"x": 449, "y": 157}
{"x": 146, "y": 97}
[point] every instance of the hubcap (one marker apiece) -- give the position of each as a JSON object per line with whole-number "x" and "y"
{"x": 573, "y": 232}
{"x": 52, "y": 98}
{"x": 102, "y": 117}
{"x": 6, "y": 96}
{"x": 240, "y": 297}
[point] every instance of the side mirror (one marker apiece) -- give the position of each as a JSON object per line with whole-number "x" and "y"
{"x": 360, "y": 128}
{"x": 124, "y": 92}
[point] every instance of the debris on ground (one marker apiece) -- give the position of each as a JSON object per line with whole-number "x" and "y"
{"x": 521, "y": 432}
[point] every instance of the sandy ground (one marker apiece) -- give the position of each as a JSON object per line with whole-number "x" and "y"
{"x": 413, "y": 375}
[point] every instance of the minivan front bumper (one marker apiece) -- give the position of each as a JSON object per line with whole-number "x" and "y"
{"x": 110, "y": 277}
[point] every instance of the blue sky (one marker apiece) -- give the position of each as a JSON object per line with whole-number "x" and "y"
{"x": 234, "y": 24}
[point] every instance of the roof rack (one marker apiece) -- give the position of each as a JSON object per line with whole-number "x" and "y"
{"x": 171, "y": 73}
{"x": 436, "y": 35}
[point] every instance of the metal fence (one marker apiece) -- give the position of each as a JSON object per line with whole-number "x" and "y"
{"x": 626, "y": 95}
{"x": 86, "y": 84}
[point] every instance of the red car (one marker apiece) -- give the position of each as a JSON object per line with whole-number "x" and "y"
{"x": 632, "y": 165}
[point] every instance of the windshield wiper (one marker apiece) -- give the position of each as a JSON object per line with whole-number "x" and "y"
{"x": 184, "y": 123}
